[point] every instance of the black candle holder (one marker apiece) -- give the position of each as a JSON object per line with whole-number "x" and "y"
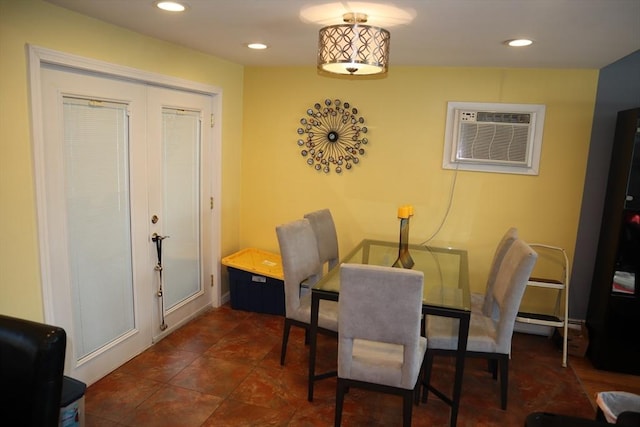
{"x": 404, "y": 257}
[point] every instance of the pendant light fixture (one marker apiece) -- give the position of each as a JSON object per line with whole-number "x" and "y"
{"x": 353, "y": 48}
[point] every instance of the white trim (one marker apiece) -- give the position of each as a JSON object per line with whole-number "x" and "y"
{"x": 39, "y": 56}
{"x": 39, "y": 181}
{"x": 216, "y": 186}
{"x": 106, "y": 68}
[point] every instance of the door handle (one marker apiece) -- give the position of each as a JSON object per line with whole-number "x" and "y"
{"x": 155, "y": 237}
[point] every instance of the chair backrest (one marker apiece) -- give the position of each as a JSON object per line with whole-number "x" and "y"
{"x": 326, "y": 235}
{"x": 488, "y": 307}
{"x": 508, "y": 289}
{"x": 300, "y": 259}
{"x": 380, "y": 304}
{"x": 31, "y": 372}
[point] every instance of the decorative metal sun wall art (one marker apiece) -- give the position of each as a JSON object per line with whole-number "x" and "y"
{"x": 332, "y": 136}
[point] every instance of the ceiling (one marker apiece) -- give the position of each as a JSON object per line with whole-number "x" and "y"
{"x": 567, "y": 33}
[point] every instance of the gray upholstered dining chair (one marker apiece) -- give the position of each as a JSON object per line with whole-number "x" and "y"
{"x": 489, "y": 337}
{"x": 326, "y": 236}
{"x": 618, "y": 407}
{"x": 379, "y": 342}
{"x": 300, "y": 262}
{"x": 484, "y": 303}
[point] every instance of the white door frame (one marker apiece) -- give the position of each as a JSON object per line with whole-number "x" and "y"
{"x": 37, "y": 57}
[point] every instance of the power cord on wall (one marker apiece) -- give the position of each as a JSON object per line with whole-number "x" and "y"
{"x": 446, "y": 214}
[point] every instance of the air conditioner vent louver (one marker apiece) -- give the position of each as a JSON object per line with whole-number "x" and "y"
{"x": 497, "y": 138}
{"x": 493, "y": 142}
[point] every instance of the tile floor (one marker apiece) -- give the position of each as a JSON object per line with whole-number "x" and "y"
{"x": 222, "y": 369}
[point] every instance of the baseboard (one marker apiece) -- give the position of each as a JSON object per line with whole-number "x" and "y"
{"x": 529, "y": 328}
{"x": 225, "y": 298}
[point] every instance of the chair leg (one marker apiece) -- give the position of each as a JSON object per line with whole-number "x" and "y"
{"x": 503, "y": 363}
{"x": 339, "y": 401}
{"x": 285, "y": 340}
{"x": 493, "y": 368}
{"x": 416, "y": 389}
{"x": 428, "y": 364}
{"x": 407, "y": 407}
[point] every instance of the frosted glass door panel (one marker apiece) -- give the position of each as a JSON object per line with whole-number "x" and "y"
{"x": 181, "y": 205}
{"x": 98, "y": 221}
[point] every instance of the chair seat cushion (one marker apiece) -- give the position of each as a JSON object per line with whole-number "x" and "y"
{"x": 442, "y": 333}
{"x": 381, "y": 363}
{"x": 327, "y": 314}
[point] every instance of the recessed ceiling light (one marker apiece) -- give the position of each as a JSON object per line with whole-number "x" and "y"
{"x": 171, "y": 6}
{"x": 519, "y": 42}
{"x": 257, "y": 46}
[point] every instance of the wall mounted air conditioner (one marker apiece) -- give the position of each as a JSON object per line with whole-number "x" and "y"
{"x": 505, "y": 138}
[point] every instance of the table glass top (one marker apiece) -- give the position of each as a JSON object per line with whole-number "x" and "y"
{"x": 446, "y": 280}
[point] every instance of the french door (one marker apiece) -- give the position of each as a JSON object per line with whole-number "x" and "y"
{"x": 127, "y": 186}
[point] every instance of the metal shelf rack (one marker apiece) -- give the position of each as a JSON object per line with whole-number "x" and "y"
{"x": 560, "y": 318}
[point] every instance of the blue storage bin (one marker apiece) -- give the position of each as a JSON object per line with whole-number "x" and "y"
{"x": 256, "y": 281}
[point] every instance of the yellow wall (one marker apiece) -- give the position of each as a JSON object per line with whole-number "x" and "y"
{"x": 265, "y": 180}
{"x": 39, "y": 23}
{"x": 405, "y": 114}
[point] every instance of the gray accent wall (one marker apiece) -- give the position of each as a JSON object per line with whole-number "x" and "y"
{"x": 618, "y": 89}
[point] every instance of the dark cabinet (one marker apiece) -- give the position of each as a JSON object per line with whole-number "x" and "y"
{"x": 613, "y": 316}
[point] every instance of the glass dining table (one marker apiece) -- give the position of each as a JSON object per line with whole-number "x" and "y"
{"x": 446, "y": 293}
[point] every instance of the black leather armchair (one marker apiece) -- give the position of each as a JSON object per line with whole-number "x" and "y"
{"x": 31, "y": 372}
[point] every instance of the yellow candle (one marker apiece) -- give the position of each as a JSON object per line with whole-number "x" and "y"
{"x": 410, "y": 210}
{"x": 403, "y": 212}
